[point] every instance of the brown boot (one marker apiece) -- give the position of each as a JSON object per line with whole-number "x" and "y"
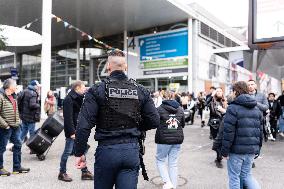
{"x": 87, "y": 176}
{"x": 64, "y": 177}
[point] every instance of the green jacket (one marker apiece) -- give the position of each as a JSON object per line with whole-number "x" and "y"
{"x": 8, "y": 117}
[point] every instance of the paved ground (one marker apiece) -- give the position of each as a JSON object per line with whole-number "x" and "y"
{"x": 196, "y": 166}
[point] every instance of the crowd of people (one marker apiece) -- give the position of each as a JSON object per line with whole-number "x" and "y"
{"x": 19, "y": 113}
{"x": 122, "y": 110}
{"x": 210, "y": 107}
{"x": 246, "y": 107}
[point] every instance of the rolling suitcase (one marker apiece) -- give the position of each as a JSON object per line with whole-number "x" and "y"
{"x": 40, "y": 142}
{"x": 53, "y": 125}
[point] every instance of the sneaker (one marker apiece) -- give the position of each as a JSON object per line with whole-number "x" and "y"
{"x": 281, "y": 134}
{"x": 168, "y": 185}
{"x": 87, "y": 176}
{"x": 4, "y": 173}
{"x": 9, "y": 147}
{"x": 271, "y": 138}
{"x": 64, "y": 177}
{"x": 218, "y": 164}
{"x": 21, "y": 170}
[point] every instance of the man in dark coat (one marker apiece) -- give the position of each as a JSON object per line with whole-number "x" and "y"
{"x": 71, "y": 108}
{"x": 242, "y": 137}
{"x": 29, "y": 108}
{"x": 281, "y": 99}
{"x": 274, "y": 113}
{"x": 119, "y": 108}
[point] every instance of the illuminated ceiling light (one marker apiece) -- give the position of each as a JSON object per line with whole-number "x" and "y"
{"x": 72, "y": 53}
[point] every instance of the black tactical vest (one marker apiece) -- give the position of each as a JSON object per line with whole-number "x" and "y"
{"x": 121, "y": 109}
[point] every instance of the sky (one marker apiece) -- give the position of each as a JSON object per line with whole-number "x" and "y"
{"x": 233, "y": 13}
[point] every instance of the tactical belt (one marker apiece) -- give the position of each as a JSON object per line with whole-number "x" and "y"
{"x": 117, "y": 141}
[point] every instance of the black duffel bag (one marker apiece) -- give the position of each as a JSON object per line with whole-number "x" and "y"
{"x": 53, "y": 125}
{"x": 40, "y": 142}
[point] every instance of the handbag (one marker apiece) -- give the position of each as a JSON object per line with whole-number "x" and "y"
{"x": 215, "y": 123}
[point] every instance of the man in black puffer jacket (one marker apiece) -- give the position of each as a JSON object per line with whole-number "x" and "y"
{"x": 242, "y": 137}
{"x": 169, "y": 136}
{"x": 29, "y": 108}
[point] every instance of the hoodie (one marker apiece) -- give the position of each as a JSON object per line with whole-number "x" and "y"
{"x": 170, "y": 130}
{"x": 242, "y": 127}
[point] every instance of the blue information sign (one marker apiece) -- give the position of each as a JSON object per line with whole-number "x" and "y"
{"x": 166, "y": 45}
{"x": 14, "y": 72}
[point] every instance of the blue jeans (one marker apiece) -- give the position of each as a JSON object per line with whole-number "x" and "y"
{"x": 168, "y": 154}
{"x": 117, "y": 165}
{"x": 12, "y": 134}
{"x": 239, "y": 169}
{"x": 68, "y": 150}
{"x": 281, "y": 121}
{"x": 27, "y": 127}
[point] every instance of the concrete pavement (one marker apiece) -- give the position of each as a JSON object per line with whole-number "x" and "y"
{"x": 196, "y": 166}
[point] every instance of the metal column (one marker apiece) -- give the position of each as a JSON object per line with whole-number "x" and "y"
{"x": 45, "y": 51}
{"x": 190, "y": 54}
{"x": 78, "y": 61}
{"x": 91, "y": 72}
{"x": 15, "y": 60}
{"x": 125, "y": 47}
{"x": 195, "y": 53}
{"x": 156, "y": 84}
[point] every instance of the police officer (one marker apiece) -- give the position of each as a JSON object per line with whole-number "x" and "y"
{"x": 120, "y": 109}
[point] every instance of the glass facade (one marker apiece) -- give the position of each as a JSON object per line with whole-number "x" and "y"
{"x": 63, "y": 66}
{"x": 164, "y": 83}
{"x": 6, "y": 63}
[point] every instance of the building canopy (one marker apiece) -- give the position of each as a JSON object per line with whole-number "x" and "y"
{"x": 96, "y": 18}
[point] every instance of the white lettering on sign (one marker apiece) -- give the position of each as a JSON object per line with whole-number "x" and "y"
{"x": 123, "y": 93}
